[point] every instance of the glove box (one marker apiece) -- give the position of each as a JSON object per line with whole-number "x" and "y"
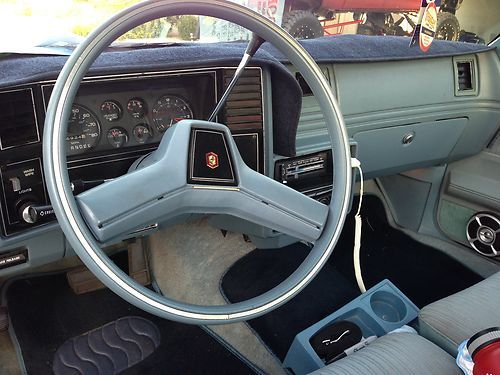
{"x": 400, "y": 148}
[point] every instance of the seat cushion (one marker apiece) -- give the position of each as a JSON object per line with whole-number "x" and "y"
{"x": 450, "y": 321}
{"x": 395, "y": 353}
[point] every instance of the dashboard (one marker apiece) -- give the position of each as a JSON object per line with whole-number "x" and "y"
{"x": 131, "y": 98}
{"x": 114, "y": 120}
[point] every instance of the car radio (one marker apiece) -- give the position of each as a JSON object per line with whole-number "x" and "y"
{"x": 310, "y": 174}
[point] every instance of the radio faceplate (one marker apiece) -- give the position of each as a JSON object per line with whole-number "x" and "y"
{"x": 310, "y": 174}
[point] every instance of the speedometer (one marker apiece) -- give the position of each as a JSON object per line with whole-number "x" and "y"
{"x": 169, "y": 110}
{"x": 83, "y": 130}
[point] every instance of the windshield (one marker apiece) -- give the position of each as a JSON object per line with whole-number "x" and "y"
{"x": 64, "y": 23}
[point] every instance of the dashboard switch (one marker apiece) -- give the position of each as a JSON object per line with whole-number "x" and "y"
{"x": 32, "y": 214}
{"x": 16, "y": 184}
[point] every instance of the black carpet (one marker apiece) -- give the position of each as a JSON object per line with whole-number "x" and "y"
{"x": 261, "y": 270}
{"x": 423, "y": 273}
{"x": 45, "y": 313}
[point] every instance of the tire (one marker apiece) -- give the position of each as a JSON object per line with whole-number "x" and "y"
{"x": 447, "y": 27}
{"x": 302, "y": 24}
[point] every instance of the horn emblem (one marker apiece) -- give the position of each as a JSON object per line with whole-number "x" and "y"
{"x": 212, "y": 160}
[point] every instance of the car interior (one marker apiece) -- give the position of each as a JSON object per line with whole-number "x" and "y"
{"x": 272, "y": 206}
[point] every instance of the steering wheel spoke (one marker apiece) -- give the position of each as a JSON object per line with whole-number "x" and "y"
{"x": 160, "y": 189}
{"x": 120, "y": 207}
{"x": 143, "y": 196}
{"x": 277, "y": 206}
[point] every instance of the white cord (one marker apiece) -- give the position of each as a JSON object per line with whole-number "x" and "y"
{"x": 357, "y": 230}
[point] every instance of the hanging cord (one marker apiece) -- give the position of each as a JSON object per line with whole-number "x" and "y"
{"x": 357, "y": 230}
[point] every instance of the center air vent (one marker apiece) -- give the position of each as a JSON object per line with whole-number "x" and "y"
{"x": 465, "y": 78}
{"x": 243, "y": 109}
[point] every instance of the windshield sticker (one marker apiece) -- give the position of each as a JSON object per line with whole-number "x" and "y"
{"x": 425, "y": 30}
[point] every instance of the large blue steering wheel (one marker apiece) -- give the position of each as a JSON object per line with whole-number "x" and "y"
{"x": 87, "y": 222}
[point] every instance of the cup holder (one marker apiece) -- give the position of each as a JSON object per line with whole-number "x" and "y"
{"x": 388, "y": 306}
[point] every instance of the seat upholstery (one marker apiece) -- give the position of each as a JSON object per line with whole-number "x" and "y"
{"x": 396, "y": 353}
{"x": 451, "y": 320}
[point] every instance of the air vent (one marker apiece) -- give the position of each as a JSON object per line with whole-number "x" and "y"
{"x": 464, "y": 76}
{"x": 306, "y": 90}
{"x": 243, "y": 108}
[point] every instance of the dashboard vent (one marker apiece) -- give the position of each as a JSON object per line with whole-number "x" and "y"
{"x": 464, "y": 76}
{"x": 243, "y": 109}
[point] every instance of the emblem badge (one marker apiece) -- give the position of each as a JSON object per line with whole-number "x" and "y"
{"x": 212, "y": 160}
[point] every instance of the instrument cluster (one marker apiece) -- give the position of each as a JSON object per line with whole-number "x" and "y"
{"x": 108, "y": 114}
{"x": 85, "y": 130}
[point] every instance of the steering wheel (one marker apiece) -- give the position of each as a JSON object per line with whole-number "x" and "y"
{"x": 174, "y": 178}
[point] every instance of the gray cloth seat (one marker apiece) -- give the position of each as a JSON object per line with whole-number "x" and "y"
{"x": 451, "y": 320}
{"x": 395, "y": 353}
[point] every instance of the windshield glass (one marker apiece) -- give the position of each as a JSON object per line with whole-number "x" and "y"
{"x": 64, "y": 23}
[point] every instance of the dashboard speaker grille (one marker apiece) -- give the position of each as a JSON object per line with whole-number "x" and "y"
{"x": 483, "y": 233}
{"x": 243, "y": 109}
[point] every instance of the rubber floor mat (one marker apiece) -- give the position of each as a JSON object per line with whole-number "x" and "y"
{"x": 109, "y": 349}
{"x": 45, "y": 313}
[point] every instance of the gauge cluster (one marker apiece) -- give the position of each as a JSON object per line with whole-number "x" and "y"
{"x": 110, "y": 114}
{"x": 115, "y": 120}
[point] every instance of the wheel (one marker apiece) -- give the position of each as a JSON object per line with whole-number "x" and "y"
{"x": 302, "y": 24}
{"x": 448, "y": 27}
{"x": 121, "y": 206}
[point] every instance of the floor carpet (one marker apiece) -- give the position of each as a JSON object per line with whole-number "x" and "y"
{"x": 45, "y": 313}
{"x": 261, "y": 270}
{"x": 423, "y": 273}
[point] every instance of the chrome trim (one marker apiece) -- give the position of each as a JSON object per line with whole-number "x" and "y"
{"x": 138, "y": 75}
{"x": 34, "y": 113}
{"x": 145, "y": 229}
{"x": 26, "y": 215}
{"x": 206, "y": 187}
